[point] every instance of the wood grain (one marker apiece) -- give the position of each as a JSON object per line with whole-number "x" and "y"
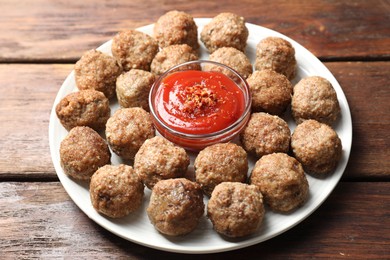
{"x": 366, "y": 88}
{"x": 28, "y": 92}
{"x": 39, "y": 220}
{"x": 60, "y": 31}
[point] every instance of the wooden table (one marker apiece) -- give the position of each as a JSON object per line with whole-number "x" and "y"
{"x": 41, "y": 40}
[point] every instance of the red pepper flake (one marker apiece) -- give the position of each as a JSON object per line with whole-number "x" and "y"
{"x": 198, "y": 98}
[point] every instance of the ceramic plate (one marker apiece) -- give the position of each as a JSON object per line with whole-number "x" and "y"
{"x": 137, "y": 228}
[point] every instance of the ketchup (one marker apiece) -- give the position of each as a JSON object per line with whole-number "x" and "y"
{"x": 199, "y": 102}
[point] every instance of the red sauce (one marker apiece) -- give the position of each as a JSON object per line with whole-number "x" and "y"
{"x": 199, "y": 102}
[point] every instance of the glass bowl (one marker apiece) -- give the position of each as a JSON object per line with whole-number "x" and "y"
{"x": 198, "y": 141}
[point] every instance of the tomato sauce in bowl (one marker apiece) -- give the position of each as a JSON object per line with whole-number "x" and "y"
{"x": 197, "y": 108}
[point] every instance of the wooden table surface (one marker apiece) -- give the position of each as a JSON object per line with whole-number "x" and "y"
{"x": 41, "y": 40}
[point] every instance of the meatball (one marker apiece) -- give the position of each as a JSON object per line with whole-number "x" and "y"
{"x": 225, "y": 30}
{"x": 176, "y": 206}
{"x": 97, "y": 70}
{"x": 276, "y": 54}
{"x": 220, "y": 163}
{"x": 132, "y": 88}
{"x": 315, "y": 98}
{"x": 176, "y": 27}
{"x": 134, "y": 49}
{"x": 171, "y": 56}
{"x": 271, "y": 91}
{"x": 236, "y": 209}
{"x": 265, "y": 134}
{"x": 116, "y": 191}
{"x": 82, "y": 152}
{"x": 281, "y": 180}
{"x": 84, "y": 108}
{"x": 317, "y": 146}
{"x": 127, "y": 130}
{"x": 232, "y": 58}
{"x": 159, "y": 159}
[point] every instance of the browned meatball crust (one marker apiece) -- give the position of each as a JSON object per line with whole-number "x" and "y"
{"x": 317, "y": 146}
{"x": 281, "y": 180}
{"x": 265, "y": 134}
{"x": 176, "y": 206}
{"x": 171, "y": 56}
{"x": 315, "y": 98}
{"x": 176, "y": 27}
{"x": 236, "y": 209}
{"x": 134, "y": 49}
{"x": 220, "y": 163}
{"x": 271, "y": 91}
{"x": 97, "y": 70}
{"x": 82, "y": 152}
{"x": 132, "y": 88}
{"x": 84, "y": 108}
{"x": 127, "y": 130}
{"x": 232, "y": 58}
{"x": 116, "y": 191}
{"x": 276, "y": 54}
{"x": 160, "y": 159}
{"x": 225, "y": 30}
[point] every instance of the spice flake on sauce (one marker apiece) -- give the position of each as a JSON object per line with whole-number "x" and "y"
{"x": 199, "y": 102}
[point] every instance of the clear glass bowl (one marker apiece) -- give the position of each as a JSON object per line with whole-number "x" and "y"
{"x": 197, "y": 142}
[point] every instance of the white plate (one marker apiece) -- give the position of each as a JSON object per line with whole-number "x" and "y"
{"x": 137, "y": 227}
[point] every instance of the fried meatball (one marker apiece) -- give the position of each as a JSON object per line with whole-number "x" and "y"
{"x": 176, "y": 27}
{"x": 116, "y": 191}
{"x": 276, "y": 54}
{"x": 82, "y": 152}
{"x": 232, "y": 58}
{"x": 160, "y": 159}
{"x": 127, "y": 130}
{"x": 317, "y": 146}
{"x": 84, "y": 108}
{"x": 171, "y": 56}
{"x": 315, "y": 98}
{"x": 176, "y": 206}
{"x": 132, "y": 88}
{"x": 271, "y": 91}
{"x": 265, "y": 134}
{"x": 225, "y": 30}
{"x": 219, "y": 163}
{"x": 97, "y": 70}
{"x": 236, "y": 209}
{"x": 281, "y": 180}
{"x": 134, "y": 49}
